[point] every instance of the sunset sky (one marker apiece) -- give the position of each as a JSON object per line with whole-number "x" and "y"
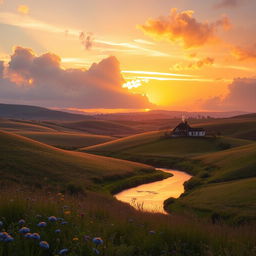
{"x": 120, "y": 55}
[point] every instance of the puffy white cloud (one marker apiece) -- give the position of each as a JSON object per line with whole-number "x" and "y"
{"x": 41, "y": 80}
{"x": 241, "y": 96}
{"x": 182, "y": 26}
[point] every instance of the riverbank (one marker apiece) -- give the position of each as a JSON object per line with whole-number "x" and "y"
{"x": 150, "y": 197}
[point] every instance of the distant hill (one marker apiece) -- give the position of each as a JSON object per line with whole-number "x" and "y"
{"x": 252, "y": 115}
{"x": 242, "y": 127}
{"x": 66, "y": 140}
{"x": 154, "y": 143}
{"x": 101, "y": 127}
{"x": 165, "y": 114}
{"x": 25, "y": 161}
{"x": 25, "y": 112}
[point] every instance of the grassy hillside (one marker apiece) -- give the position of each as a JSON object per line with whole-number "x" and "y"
{"x": 154, "y": 143}
{"x": 224, "y": 187}
{"x": 26, "y": 161}
{"x": 233, "y": 199}
{"x": 101, "y": 127}
{"x": 26, "y": 112}
{"x": 244, "y": 128}
{"x": 17, "y": 126}
{"x": 123, "y": 230}
{"x": 225, "y": 161}
{"x": 235, "y": 163}
{"x": 66, "y": 140}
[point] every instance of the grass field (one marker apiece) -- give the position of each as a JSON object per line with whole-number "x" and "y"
{"x": 210, "y": 160}
{"x": 235, "y": 163}
{"x": 244, "y": 128}
{"x": 66, "y": 140}
{"x": 17, "y": 126}
{"x": 154, "y": 143}
{"x": 233, "y": 199}
{"x": 25, "y": 161}
{"x": 100, "y": 127}
{"x": 122, "y": 230}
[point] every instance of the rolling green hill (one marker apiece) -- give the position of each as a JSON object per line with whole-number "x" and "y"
{"x": 154, "y": 143}
{"x": 101, "y": 127}
{"x": 66, "y": 140}
{"x": 224, "y": 169}
{"x": 25, "y": 161}
{"x": 243, "y": 128}
{"x": 235, "y": 163}
{"x": 17, "y": 126}
{"x": 233, "y": 199}
{"x": 26, "y": 112}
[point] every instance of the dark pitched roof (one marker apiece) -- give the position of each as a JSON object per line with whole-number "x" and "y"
{"x": 197, "y": 129}
{"x": 183, "y": 126}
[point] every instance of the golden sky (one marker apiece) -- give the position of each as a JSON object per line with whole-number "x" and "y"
{"x": 168, "y": 54}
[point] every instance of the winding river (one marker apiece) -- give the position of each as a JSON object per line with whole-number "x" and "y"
{"x": 150, "y": 197}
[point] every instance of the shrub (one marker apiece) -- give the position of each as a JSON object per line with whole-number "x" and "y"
{"x": 192, "y": 183}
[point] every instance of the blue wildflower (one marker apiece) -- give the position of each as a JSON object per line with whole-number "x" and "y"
{"x": 97, "y": 240}
{"x": 35, "y": 236}
{"x": 9, "y": 239}
{"x": 3, "y": 236}
{"x": 52, "y": 219}
{"x": 22, "y": 222}
{"x": 60, "y": 219}
{"x": 63, "y": 251}
{"x": 28, "y": 235}
{"x": 24, "y": 230}
{"x": 152, "y": 232}
{"x": 64, "y": 222}
{"x": 44, "y": 245}
{"x": 42, "y": 224}
{"x": 57, "y": 231}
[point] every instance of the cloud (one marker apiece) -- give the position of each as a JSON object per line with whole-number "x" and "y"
{"x": 86, "y": 39}
{"x": 184, "y": 28}
{"x": 241, "y": 96}
{"x": 32, "y": 79}
{"x": 228, "y": 3}
{"x": 243, "y": 53}
{"x": 208, "y": 61}
{"x": 23, "y": 9}
{"x": 1, "y": 69}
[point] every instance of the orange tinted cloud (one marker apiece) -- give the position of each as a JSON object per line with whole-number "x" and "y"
{"x": 244, "y": 53}
{"x": 194, "y": 65}
{"x": 241, "y": 96}
{"x": 32, "y": 79}
{"x": 23, "y": 9}
{"x": 183, "y": 27}
{"x": 228, "y": 3}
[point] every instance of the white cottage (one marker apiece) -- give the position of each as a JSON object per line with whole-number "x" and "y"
{"x": 183, "y": 129}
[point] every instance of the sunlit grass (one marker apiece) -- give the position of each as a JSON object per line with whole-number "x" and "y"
{"x": 72, "y": 223}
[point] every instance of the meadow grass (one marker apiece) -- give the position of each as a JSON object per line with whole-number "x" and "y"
{"x": 155, "y": 143}
{"x": 233, "y": 201}
{"x": 123, "y": 230}
{"x": 66, "y": 140}
{"x": 29, "y": 162}
{"x": 101, "y": 127}
{"x": 206, "y": 161}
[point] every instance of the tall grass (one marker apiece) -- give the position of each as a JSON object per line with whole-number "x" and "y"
{"x": 124, "y": 231}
